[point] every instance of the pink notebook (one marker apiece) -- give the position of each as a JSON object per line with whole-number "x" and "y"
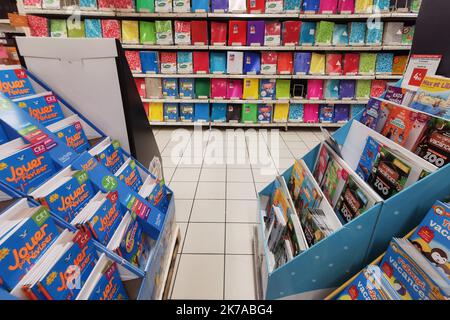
{"x": 234, "y": 89}
{"x": 328, "y": 6}
{"x": 218, "y": 88}
{"x": 346, "y": 6}
{"x": 311, "y": 113}
{"x": 315, "y": 89}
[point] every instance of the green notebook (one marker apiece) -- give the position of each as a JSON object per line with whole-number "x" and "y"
{"x": 363, "y": 89}
{"x": 324, "y": 33}
{"x": 367, "y": 63}
{"x": 415, "y": 5}
{"x": 58, "y": 28}
{"x": 202, "y": 88}
{"x": 145, "y": 5}
{"x": 249, "y": 113}
{"x": 76, "y": 30}
{"x": 147, "y": 32}
{"x": 282, "y": 89}
{"x": 408, "y": 35}
{"x": 163, "y": 32}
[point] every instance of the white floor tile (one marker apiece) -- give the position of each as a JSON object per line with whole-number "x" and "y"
{"x": 213, "y": 175}
{"x": 170, "y": 162}
{"x": 186, "y": 174}
{"x": 242, "y": 211}
{"x": 190, "y": 162}
{"x": 183, "y": 190}
{"x": 241, "y": 191}
{"x": 239, "y": 238}
{"x": 168, "y": 173}
{"x": 182, "y": 209}
{"x": 311, "y": 144}
{"x": 210, "y": 190}
{"x": 296, "y": 144}
{"x": 205, "y": 238}
{"x": 239, "y": 277}
{"x": 264, "y": 175}
{"x": 183, "y": 228}
{"x": 199, "y": 277}
{"x": 239, "y": 175}
{"x": 208, "y": 211}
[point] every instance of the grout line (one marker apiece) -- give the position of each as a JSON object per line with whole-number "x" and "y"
{"x": 225, "y": 236}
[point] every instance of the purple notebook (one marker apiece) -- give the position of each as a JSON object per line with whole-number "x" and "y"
{"x": 302, "y": 62}
{"x": 219, "y": 5}
{"x": 255, "y": 33}
{"x": 347, "y": 89}
{"x": 341, "y": 113}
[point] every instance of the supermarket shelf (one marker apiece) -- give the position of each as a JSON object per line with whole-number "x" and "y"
{"x": 69, "y": 12}
{"x": 388, "y": 76}
{"x": 313, "y": 101}
{"x": 302, "y": 124}
{"x": 162, "y": 14}
{"x": 253, "y": 48}
{"x": 252, "y": 15}
{"x": 164, "y": 100}
{"x": 240, "y": 125}
{"x": 337, "y": 77}
{"x": 165, "y": 47}
{"x": 179, "y": 123}
{"x": 239, "y": 101}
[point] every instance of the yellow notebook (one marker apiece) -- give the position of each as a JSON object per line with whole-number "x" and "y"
{"x": 281, "y": 112}
{"x": 130, "y": 32}
{"x": 251, "y": 89}
{"x": 363, "y": 6}
{"x": 155, "y": 112}
{"x": 317, "y": 63}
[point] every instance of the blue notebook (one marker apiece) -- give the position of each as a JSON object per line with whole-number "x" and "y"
{"x": 267, "y": 89}
{"x": 357, "y": 33}
{"x": 184, "y": 62}
{"x": 201, "y": 112}
{"x": 381, "y": 5}
{"x": 92, "y": 28}
{"x": 311, "y": 5}
{"x": 332, "y": 89}
{"x": 375, "y": 34}
{"x": 88, "y": 4}
{"x": 149, "y": 61}
{"x": 308, "y": 33}
{"x": 218, "y": 62}
{"x": 170, "y": 111}
{"x": 186, "y": 88}
{"x": 340, "y": 35}
{"x": 296, "y": 112}
{"x": 292, "y": 5}
{"x": 347, "y": 89}
{"x": 385, "y": 62}
{"x": 356, "y": 109}
{"x": 219, "y": 112}
{"x": 302, "y": 62}
{"x": 170, "y": 87}
{"x": 186, "y": 112}
{"x": 326, "y": 113}
{"x": 252, "y": 62}
{"x": 200, "y": 6}
{"x": 265, "y": 113}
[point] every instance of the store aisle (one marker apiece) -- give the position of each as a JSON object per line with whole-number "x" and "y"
{"x": 216, "y": 205}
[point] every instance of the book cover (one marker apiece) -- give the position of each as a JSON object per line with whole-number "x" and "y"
{"x": 163, "y": 5}
{"x": 363, "y": 6}
{"x": 220, "y": 5}
{"x": 399, "y": 64}
{"x": 357, "y": 33}
{"x": 367, "y": 63}
{"x": 310, "y": 113}
{"x": 382, "y": 5}
{"x": 334, "y": 64}
{"x": 265, "y": 113}
{"x": 433, "y": 97}
{"x": 145, "y": 6}
{"x": 218, "y": 33}
{"x": 51, "y": 4}
{"x": 237, "y": 33}
{"x": 399, "y": 95}
{"x": 43, "y": 107}
{"x": 219, "y": 112}
{"x": 281, "y": 112}
{"x": 155, "y": 112}
{"x": 234, "y": 112}
{"x": 393, "y": 33}
{"x": 285, "y": 62}
{"x": 14, "y": 83}
{"x": 374, "y": 34}
{"x": 199, "y": 32}
{"x": 292, "y": 6}
{"x": 181, "y": 6}
{"x": 283, "y": 89}
{"x": 200, "y": 6}
{"x": 272, "y": 33}
{"x": 58, "y": 28}
{"x": 184, "y": 62}
{"x": 168, "y": 62}
{"x": 363, "y": 89}
{"x": 303, "y": 193}
{"x": 420, "y": 66}
{"x": 235, "y": 62}
{"x": 326, "y": 113}
{"x": 218, "y": 62}
{"x": 186, "y": 112}
{"x": 340, "y": 35}
{"x": 218, "y": 88}
{"x": 252, "y": 62}
{"x": 256, "y": 6}
{"x": 274, "y": 6}
{"x": 332, "y": 89}
{"x": 251, "y": 88}
{"x": 130, "y": 31}
{"x": 111, "y": 28}
{"x": 341, "y": 113}
{"x": 237, "y": 6}
{"x": 302, "y": 62}
{"x": 317, "y": 63}
{"x": 106, "y": 5}
{"x": 370, "y": 153}
{"x": 347, "y": 89}
{"x": 163, "y": 32}
{"x": 315, "y": 89}
{"x": 134, "y": 61}
{"x": 38, "y": 26}
{"x": 324, "y": 33}
{"x": 378, "y": 88}
{"x": 153, "y": 88}
{"x": 255, "y": 32}
{"x": 249, "y": 113}
{"x": 147, "y": 32}
{"x": 123, "y": 5}
{"x": 351, "y": 63}
{"x": 170, "y": 111}
{"x": 356, "y": 110}
{"x": 352, "y": 202}
{"x": 385, "y": 61}
{"x": 33, "y": 4}
{"x": 140, "y": 86}
{"x": 308, "y": 33}
{"x": 200, "y": 61}
{"x": 234, "y": 89}
{"x": 269, "y": 62}
{"x": 109, "y": 286}
{"x": 295, "y": 112}
{"x": 111, "y": 157}
{"x": 186, "y": 88}
{"x": 321, "y": 164}
{"x": 346, "y": 6}
{"x": 434, "y": 145}
{"x": 291, "y": 33}
{"x": 92, "y": 28}
{"x": 183, "y": 32}
{"x": 267, "y": 89}
{"x": 333, "y": 181}
{"x": 74, "y": 137}
{"x": 201, "y": 112}
{"x": 170, "y": 87}
{"x": 202, "y": 88}
{"x": 132, "y": 247}
{"x": 328, "y": 6}
{"x": 311, "y": 6}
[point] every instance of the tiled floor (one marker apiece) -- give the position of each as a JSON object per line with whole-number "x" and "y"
{"x": 215, "y": 203}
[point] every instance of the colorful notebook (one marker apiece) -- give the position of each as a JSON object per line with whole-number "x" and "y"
{"x": 219, "y": 88}
{"x": 346, "y": 6}
{"x": 347, "y": 89}
{"x": 311, "y": 6}
{"x": 340, "y": 35}
{"x": 308, "y": 33}
{"x": 111, "y": 28}
{"x": 255, "y": 33}
{"x": 237, "y": 6}
{"x": 274, "y": 6}
{"x": 200, "y": 5}
{"x": 219, "y": 112}
{"x": 140, "y": 86}
{"x": 186, "y": 86}
{"x": 201, "y": 112}
{"x": 182, "y": 32}
{"x": 170, "y": 111}
{"x": 202, "y": 88}
{"x": 267, "y": 89}
{"x": 218, "y": 62}
{"x": 201, "y": 61}
{"x": 168, "y": 62}
{"x": 317, "y": 63}
{"x": 324, "y": 33}
{"x": 326, "y": 113}
{"x": 315, "y": 89}
{"x": 237, "y": 33}
{"x": 378, "y": 88}
{"x": 363, "y": 89}
{"x": 334, "y": 64}
{"x": 357, "y": 33}
{"x": 170, "y": 87}
{"x": 92, "y": 28}
{"x": 311, "y": 113}
{"x": 156, "y": 112}
{"x": 341, "y": 113}
{"x": 285, "y": 62}
{"x": 163, "y": 5}
{"x": 76, "y": 30}
{"x": 184, "y": 62}
{"x": 164, "y": 32}
{"x": 199, "y": 32}
{"x": 399, "y": 64}
{"x": 256, "y": 6}
{"x": 181, "y": 6}
{"x": 252, "y": 62}
{"x": 269, "y": 62}
{"x": 235, "y": 62}
{"x": 385, "y": 61}
{"x": 234, "y": 89}
{"x": 281, "y": 112}
{"x": 332, "y": 89}
{"x": 292, "y": 6}
{"x": 302, "y": 62}
{"x": 58, "y": 28}
{"x": 218, "y": 33}
{"x": 154, "y": 88}
{"x": 363, "y": 6}
{"x": 393, "y": 33}
{"x": 265, "y": 113}
{"x": 219, "y": 5}
{"x": 291, "y": 33}
{"x": 234, "y": 113}
{"x": 283, "y": 89}
{"x": 149, "y": 61}
{"x": 145, "y": 6}
{"x": 272, "y": 33}
{"x": 130, "y": 31}
{"x": 249, "y": 113}
{"x": 186, "y": 112}
{"x": 295, "y": 113}
{"x": 328, "y": 6}
{"x": 147, "y": 32}
{"x": 374, "y": 34}
{"x": 351, "y": 63}
{"x": 251, "y": 89}
{"x": 367, "y": 63}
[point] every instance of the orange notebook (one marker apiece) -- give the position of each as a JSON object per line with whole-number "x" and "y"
{"x": 399, "y": 64}
{"x": 285, "y": 62}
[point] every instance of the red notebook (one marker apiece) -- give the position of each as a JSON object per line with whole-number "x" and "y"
{"x": 134, "y": 60}
{"x": 111, "y": 29}
{"x": 38, "y": 26}
{"x": 291, "y": 32}
{"x": 334, "y": 63}
{"x": 285, "y": 62}
{"x": 269, "y": 62}
{"x": 378, "y": 87}
{"x": 256, "y": 6}
{"x": 218, "y": 33}
{"x": 140, "y": 85}
{"x": 219, "y": 88}
{"x": 351, "y": 63}
{"x": 237, "y": 32}
{"x": 328, "y": 6}
{"x": 200, "y": 60}
{"x": 168, "y": 61}
{"x": 199, "y": 32}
